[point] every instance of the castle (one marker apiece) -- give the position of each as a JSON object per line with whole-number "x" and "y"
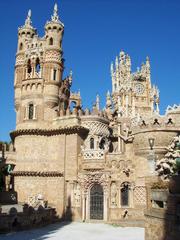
{"x": 90, "y": 163}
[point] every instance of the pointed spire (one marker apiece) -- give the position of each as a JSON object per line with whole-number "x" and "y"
{"x": 117, "y": 63}
{"x": 97, "y": 102}
{"x": 28, "y": 21}
{"x": 55, "y": 16}
{"x": 70, "y": 77}
{"x": 108, "y": 94}
{"x": 147, "y": 62}
{"x": 112, "y": 68}
{"x": 108, "y": 100}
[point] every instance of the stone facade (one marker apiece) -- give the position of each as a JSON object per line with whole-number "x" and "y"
{"x": 163, "y": 209}
{"x": 64, "y": 153}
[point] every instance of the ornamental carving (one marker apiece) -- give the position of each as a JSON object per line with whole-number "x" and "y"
{"x": 53, "y": 56}
{"x": 113, "y": 194}
{"x": 124, "y": 166}
{"x": 97, "y": 128}
{"x": 19, "y": 60}
{"x": 86, "y": 180}
{"x": 76, "y": 195}
{"x": 140, "y": 195}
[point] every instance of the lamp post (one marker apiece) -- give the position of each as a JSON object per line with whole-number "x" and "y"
{"x": 151, "y": 156}
{"x": 151, "y": 143}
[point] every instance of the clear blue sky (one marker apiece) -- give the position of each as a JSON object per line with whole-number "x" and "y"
{"x": 95, "y": 32}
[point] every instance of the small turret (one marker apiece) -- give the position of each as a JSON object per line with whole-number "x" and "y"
{"x": 54, "y": 30}
{"x": 27, "y": 31}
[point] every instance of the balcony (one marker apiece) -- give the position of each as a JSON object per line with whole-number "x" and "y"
{"x": 93, "y": 154}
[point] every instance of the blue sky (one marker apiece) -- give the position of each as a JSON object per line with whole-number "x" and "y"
{"x": 95, "y": 32}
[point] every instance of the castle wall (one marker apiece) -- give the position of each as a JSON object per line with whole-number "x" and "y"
{"x": 52, "y": 189}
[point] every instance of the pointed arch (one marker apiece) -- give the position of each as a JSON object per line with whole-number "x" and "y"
{"x": 31, "y": 111}
{"x": 29, "y": 68}
{"x": 38, "y": 66}
{"x": 91, "y": 143}
{"x": 125, "y": 194}
{"x": 21, "y": 46}
{"x": 51, "y": 41}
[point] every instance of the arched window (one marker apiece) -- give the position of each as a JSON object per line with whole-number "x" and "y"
{"x": 125, "y": 194}
{"x": 20, "y": 46}
{"x": 102, "y": 143}
{"x": 54, "y": 74}
{"x": 91, "y": 143}
{"x": 38, "y": 67}
{"x": 51, "y": 41}
{"x": 31, "y": 111}
{"x": 29, "y": 68}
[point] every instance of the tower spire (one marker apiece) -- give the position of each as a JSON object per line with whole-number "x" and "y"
{"x": 55, "y": 16}
{"x": 28, "y": 21}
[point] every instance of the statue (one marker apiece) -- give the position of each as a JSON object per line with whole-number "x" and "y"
{"x": 77, "y": 195}
{"x": 114, "y": 194}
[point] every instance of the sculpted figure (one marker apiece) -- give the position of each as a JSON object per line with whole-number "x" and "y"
{"x": 113, "y": 194}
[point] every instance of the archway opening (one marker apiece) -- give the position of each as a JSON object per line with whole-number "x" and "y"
{"x": 96, "y": 202}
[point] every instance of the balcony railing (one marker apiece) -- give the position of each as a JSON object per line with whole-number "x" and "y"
{"x": 93, "y": 154}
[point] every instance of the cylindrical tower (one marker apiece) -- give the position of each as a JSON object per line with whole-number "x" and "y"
{"x": 53, "y": 62}
{"x": 38, "y": 73}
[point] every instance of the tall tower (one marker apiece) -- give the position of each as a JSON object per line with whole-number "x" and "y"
{"x": 132, "y": 93}
{"x": 38, "y": 73}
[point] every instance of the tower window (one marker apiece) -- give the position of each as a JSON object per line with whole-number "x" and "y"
{"x": 51, "y": 41}
{"x": 38, "y": 67}
{"x": 31, "y": 111}
{"x": 102, "y": 143}
{"x": 91, "y": 143}
{"x": 21, "y": 46}
{"x": 54, "y": 74}
{"x": 125, "y": 194}
{"x": 29, "y": 68}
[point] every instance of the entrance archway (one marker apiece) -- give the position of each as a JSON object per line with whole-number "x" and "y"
{"x": 96, "y": 202}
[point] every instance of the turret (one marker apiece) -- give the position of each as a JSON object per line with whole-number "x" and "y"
{"x": 54, "y": 30}
{"x": 38, "y": 72}
{"x": 25, "y": 32}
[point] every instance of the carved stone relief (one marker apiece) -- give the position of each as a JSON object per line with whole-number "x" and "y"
{"x": 76, "y": 195}
{"x": 113, "y": 194}
{"x": 87, "y": 179}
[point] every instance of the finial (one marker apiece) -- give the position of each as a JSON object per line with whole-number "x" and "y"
{"x": 97, "y": 102}
{"x": 71, "y": 73}
{"x": 112, "y": 68}
{"x": 147, "y": 59}
{"x": 117, "y": 64}
{"x": 28, "y": 21}
{"x": 70, "y": 77}
{"x": 55, "y": 16}
{"x": 108, "y": 94}
{"x": 108, "y": 100}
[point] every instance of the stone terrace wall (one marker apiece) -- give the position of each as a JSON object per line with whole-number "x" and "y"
{"x": 29, "y": 218}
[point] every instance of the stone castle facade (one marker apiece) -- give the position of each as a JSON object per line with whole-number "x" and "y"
{"x": 92, "y": 164}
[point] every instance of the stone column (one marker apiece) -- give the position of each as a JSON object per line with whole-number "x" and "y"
{"x": 84, "y": 207}
{"x": 105, "y": 206}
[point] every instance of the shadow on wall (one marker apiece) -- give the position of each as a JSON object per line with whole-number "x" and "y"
{"x": 172, "y": 214}
{"x": 33, "y": 218}
{"x": 163, "y": 213}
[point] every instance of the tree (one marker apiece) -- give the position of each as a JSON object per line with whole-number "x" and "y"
{"x": 170, "y": 164}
